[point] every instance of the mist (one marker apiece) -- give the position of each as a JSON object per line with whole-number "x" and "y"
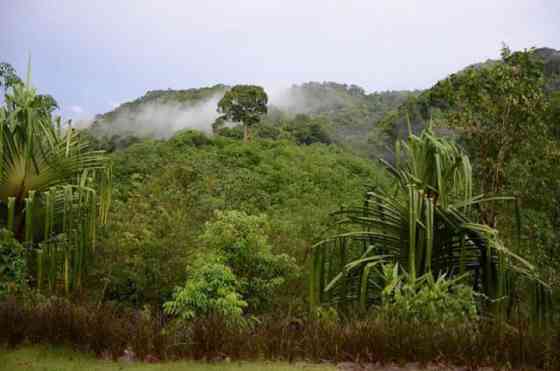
{"x": 297, "y": 98}
{"x": 159, "y": 120}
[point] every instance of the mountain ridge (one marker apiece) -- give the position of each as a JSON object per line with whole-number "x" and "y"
{"x": 357, "y": 119}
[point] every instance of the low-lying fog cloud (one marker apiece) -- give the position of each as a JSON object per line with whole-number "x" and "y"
{"x": 163, "y": 119}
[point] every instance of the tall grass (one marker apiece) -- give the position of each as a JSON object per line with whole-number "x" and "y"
{"x": 106, "y": 330}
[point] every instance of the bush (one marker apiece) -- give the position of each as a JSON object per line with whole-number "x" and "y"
{"x": 211, "y": 291}
{"x": 101, "y": 329}
{"x": 426, "y": 299}
{"x": 191, "y": 138}
{"x": 107, "y": 330}
{"x": 236, "y": 271}
{"x": 13, "y": 268}
{"x": 241, "y": 240}
{"x": 308, "y": 130}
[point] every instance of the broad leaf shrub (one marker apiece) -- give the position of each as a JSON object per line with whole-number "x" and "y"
{"x": 425, "y": 299}
{"x": 212, "y": 290}
{"x": 242, "y": 243}
{"x": 238, "y": 271}
{"x": 13, "y": 267}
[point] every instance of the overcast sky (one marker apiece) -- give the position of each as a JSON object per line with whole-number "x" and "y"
{"x": 91, "y": 55}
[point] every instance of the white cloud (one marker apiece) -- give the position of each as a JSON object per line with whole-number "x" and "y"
{"x": 164, "y": 119}
{"x": 76, "y": 109}
{"x": 383, "y": 44}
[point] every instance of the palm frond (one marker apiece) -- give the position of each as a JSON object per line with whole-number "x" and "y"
{"x": 426, "y": 225}
{"x": 54, "y": 187}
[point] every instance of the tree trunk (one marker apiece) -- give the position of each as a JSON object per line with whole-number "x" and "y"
{"x": 246, "y": 134}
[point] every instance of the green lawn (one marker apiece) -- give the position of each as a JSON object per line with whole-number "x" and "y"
{"x": 56, "y": 359}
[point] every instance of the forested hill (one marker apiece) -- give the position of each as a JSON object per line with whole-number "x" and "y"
{"x": 160, "y": 113}
{"x": 433, "y": 103}
{"x": 350, "y": 111}
{"x": 327, "y": 112}
{"x": 551, "y": 62}
{"x": 344, "y": 113}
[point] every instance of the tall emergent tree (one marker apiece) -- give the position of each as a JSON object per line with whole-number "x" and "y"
{"x": 245, "y": 104}
{"x": 54, "y": 190}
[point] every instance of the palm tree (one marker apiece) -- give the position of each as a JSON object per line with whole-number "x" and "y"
{"x": 54, "y": 190}
{"x": 425, "y": 223}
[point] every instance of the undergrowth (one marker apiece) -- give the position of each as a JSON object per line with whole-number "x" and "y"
{"x": 104, "y": 330}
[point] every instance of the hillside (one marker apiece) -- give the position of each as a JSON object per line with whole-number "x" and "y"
{"x": 162, "y": 203}
{"x": 365, "y": 123}
{"x": 351, "y": 111}
{"x": 160, "y": 113}
{"x": 418, "y": 109}
{"x": 346, "y": 111}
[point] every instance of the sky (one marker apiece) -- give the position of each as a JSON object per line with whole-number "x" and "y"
{"x": 94, "y": 55}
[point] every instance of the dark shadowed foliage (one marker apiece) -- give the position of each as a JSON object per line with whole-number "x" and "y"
{"x": 105, "y": 331}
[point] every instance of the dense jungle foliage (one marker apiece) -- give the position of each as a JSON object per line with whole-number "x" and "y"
{"x": 316, "y": 227}
{"x": 339, "y": 113}
{"x": 505, "y": 114}
{"x": 162, "y": 204}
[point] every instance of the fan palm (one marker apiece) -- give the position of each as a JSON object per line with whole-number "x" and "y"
{"x": 425, "y": 223}
{"x": 53, "y": 189}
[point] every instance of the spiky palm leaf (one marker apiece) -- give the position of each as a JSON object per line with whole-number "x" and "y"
{"x": 425, "y": 223}
{"x": 52, "y": 187}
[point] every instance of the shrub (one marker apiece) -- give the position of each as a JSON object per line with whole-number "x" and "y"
{"x": 13, "y": 267}
{"x": 237, "y": 271}
{"x": 191, "y": 138}
{"x": 107, "y": 330}
{"x": 101, "y": 329}
{"x": 241, "y": 240}
{"x": 425, "y": 299}
{"x": 212, "y": 290}
{"x": 309, "y": 130}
